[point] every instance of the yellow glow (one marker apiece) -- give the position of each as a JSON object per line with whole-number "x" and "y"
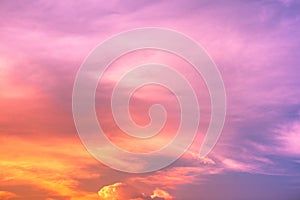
{"x": 161, "y": 194}
{"x": 50, "y": 168}
{"x": 110, "y": 192}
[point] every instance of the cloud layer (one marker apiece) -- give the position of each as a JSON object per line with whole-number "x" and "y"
{"x": 256, "y": 47}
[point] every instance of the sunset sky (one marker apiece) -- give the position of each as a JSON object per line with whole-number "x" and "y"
{"x": 256, "y": 46}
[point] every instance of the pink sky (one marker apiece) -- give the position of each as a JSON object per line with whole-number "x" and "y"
{"x": 256, "y": 48}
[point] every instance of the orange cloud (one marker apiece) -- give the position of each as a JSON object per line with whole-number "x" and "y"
{"x": 53, "y": 167}
{"x": 120, "y": 191}
{"x": 4, "y": 195}
{"x": 123, "y": 191}
{"x": 110, "y": 192}
{"x": 161, "y": 194}
{"x": 155, "y": 186}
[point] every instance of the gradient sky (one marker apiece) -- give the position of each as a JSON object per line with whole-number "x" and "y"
{"x": 256, "y": 46}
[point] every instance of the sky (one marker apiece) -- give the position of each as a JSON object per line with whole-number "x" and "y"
{"x": 256, "y": 46}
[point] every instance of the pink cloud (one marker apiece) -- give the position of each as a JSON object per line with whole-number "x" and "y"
{"x": 289, "y": 139}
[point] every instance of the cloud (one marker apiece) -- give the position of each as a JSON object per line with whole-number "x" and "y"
{"x": 158, "y": 185}
{"x": 123, "y": 191}
{"x": 236, "y": 165}
{"x": 53, "y": 168}
{"x": 113, "y": 192}
{"x": 159, "y": 193}
{"x": 289, "y": 139}
{"x": 7, "y": 195}
{"x": 44, "y": 43}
